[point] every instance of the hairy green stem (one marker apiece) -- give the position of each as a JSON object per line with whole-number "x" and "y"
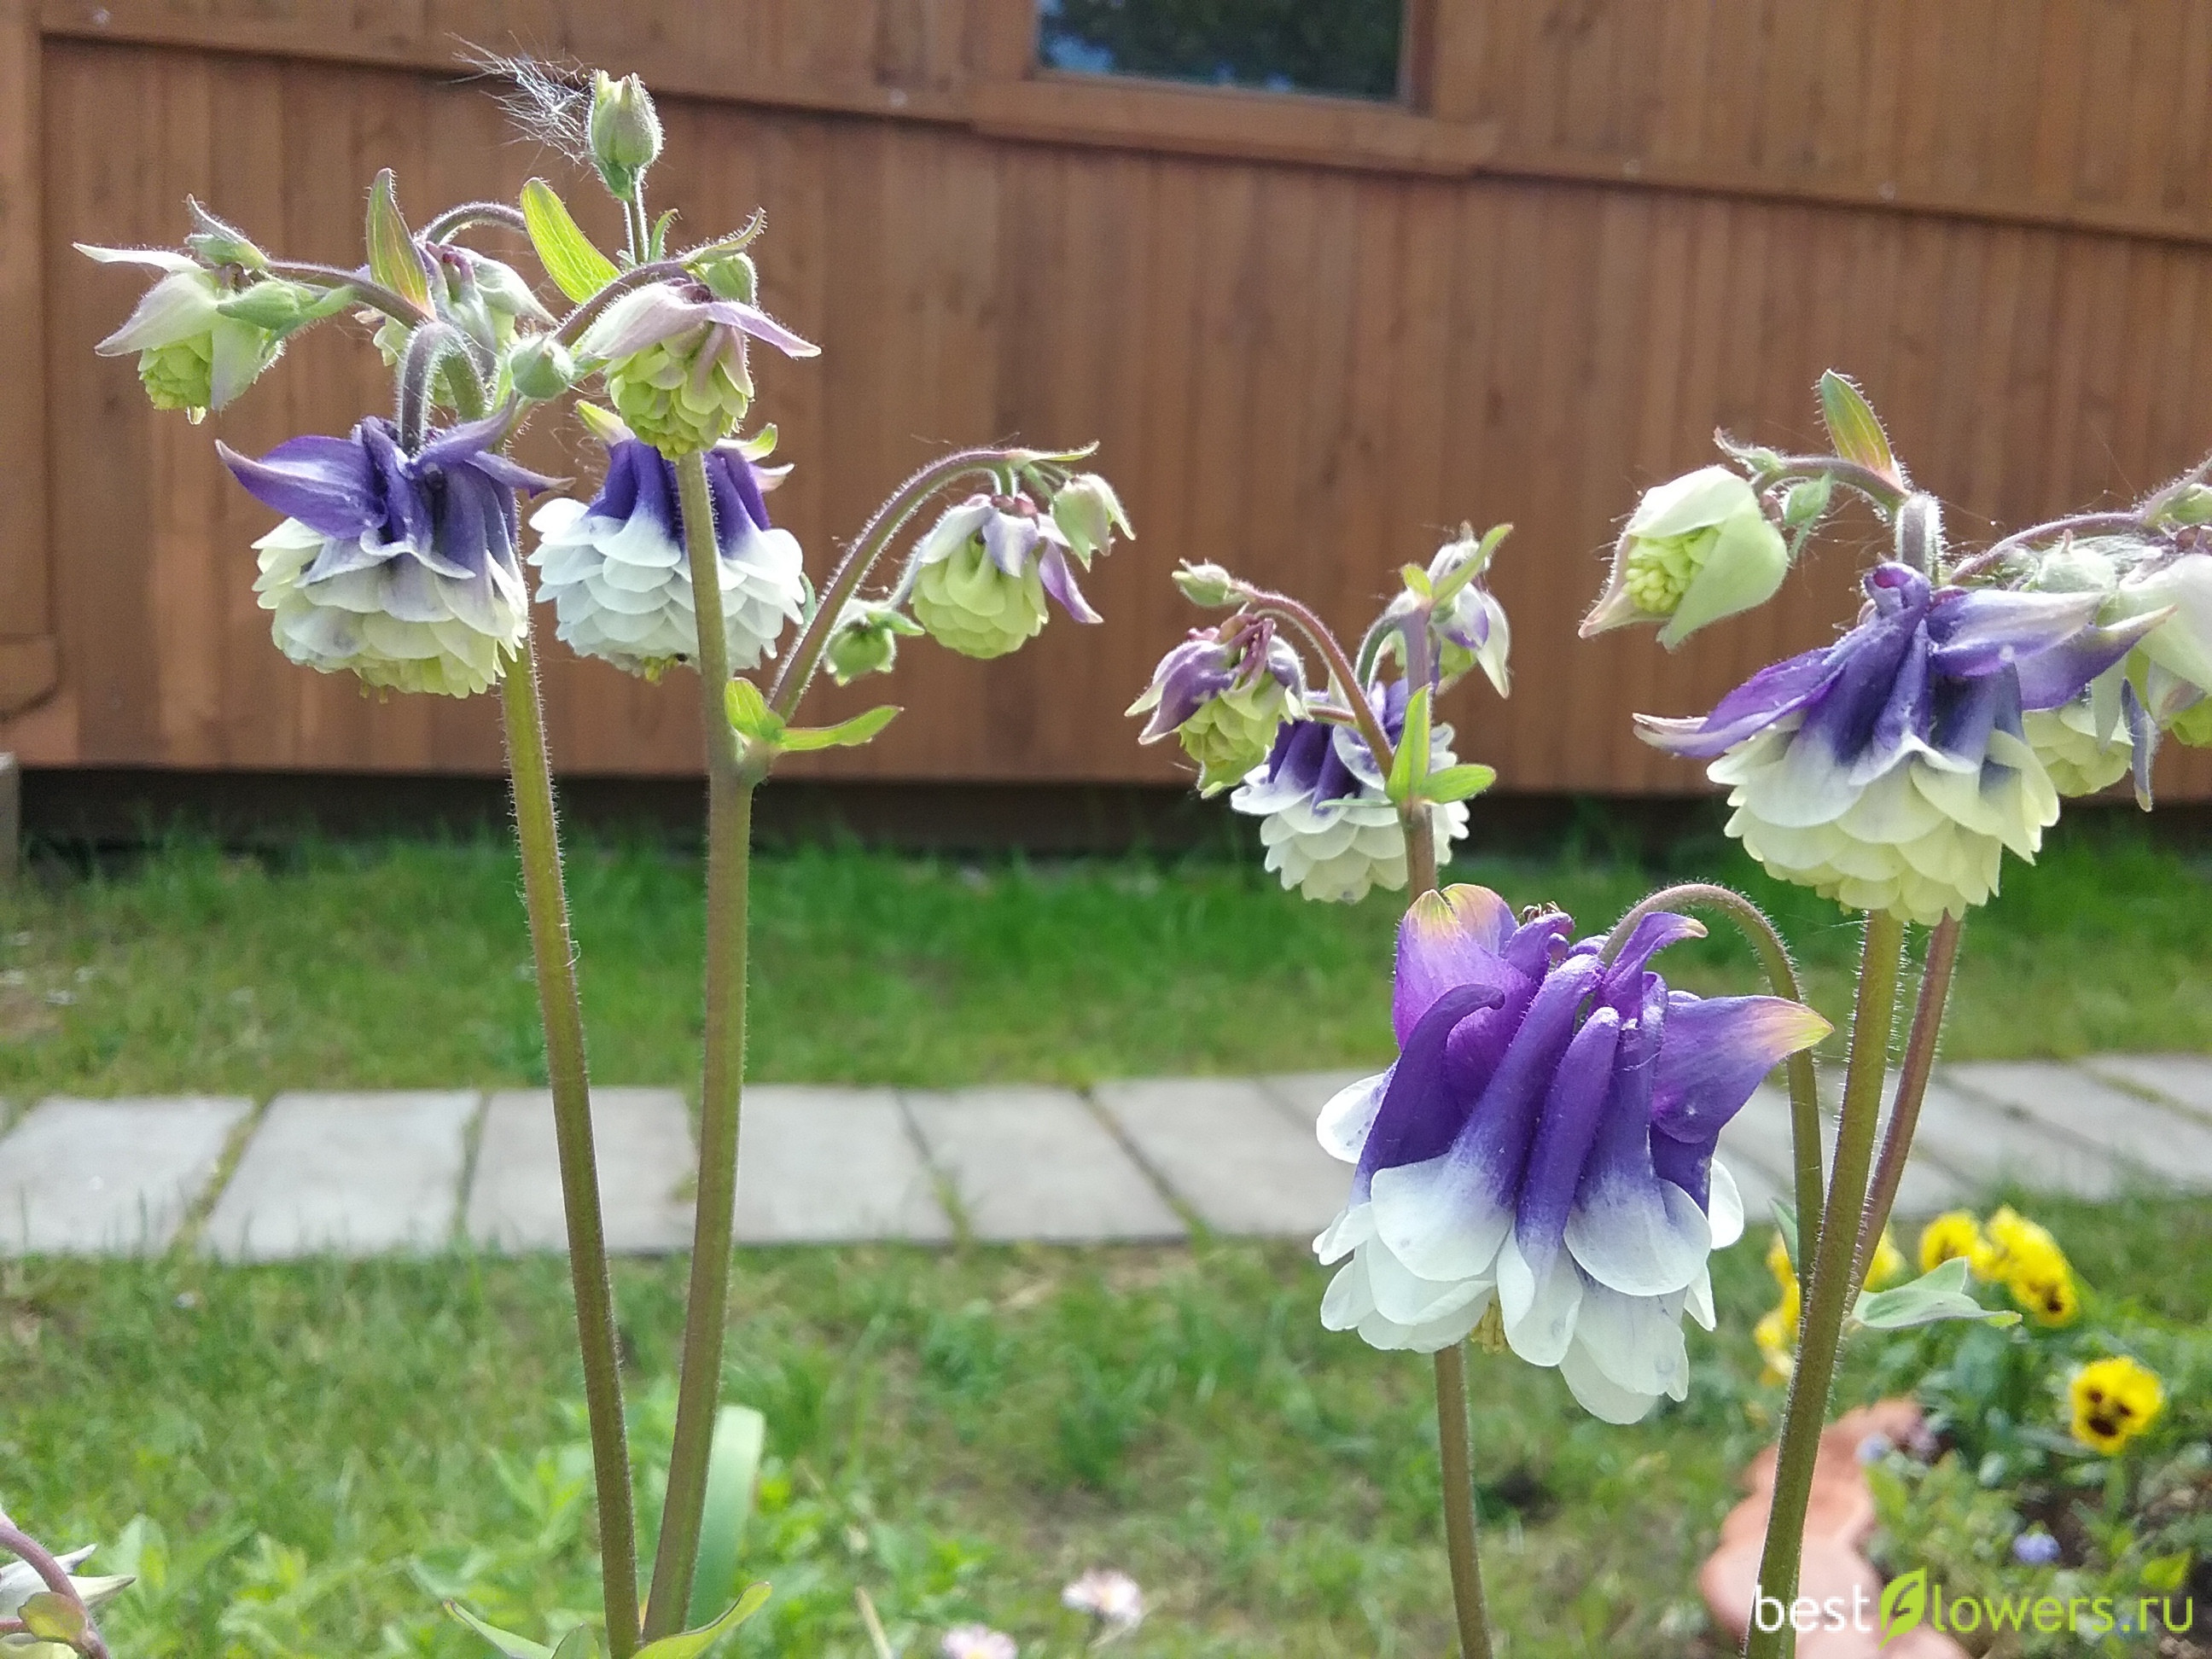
{"x": 504, "y": 214}
{"x": 375, "y": 295}
{"x": 2083, "y": 524}
{"x": 553, "y": 957}
{"x": 1884, "y": 492}
{"x": 1268, "y": 602}
{"x": 1755, "y": 926}
{"x": 730, "y": 786}
{"x": 1827, "y": 1298}
{"x": 1912, "y": 1089}
{"x": 1455, "y": 1440}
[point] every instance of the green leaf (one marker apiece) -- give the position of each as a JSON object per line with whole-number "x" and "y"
{"x": 692, "y": 1643}
{"x": 53, "y": 1617}
{"x": 2167, "y": 1573}
{"x": 1854, "y": 429}
{"x": 750, "y": 714}
{"x": 1417, "y": 580}
{"x": 656, "y": 246}
{"x": 1933, "y": 1297}
{"x": 578, "y": 269}
{"x": 1411, "y": 763}
{"x": 732, "y": 1467}
{"x": 580, "y": 1643}
{"x": 514, "y": 1646}
{"x": 1457, "y": 782}
{"x": 849, "y": 734}
{"x": 393, "y": 258}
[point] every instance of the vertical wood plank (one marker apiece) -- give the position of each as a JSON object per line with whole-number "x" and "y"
{"x": 28, "y": 664}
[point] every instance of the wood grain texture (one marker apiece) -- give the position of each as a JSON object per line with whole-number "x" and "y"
{"x": 29, "y": 663}
{"x": 1310, "y": 372}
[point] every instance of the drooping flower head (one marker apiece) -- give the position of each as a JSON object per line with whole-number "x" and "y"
{"x": 1889, "y": 771}
{"x": 1544, "y": 1144}
{"x": 1696, "y": 549}
{"x": 2172, "y": 666}
{"x": 1471, "y": 627}
{"x": 983, "y": 569}
{"x": 674, "y": 356}
{"x": 1328, "y": 823}
{"x": 400, "y": 568}
{"x": 2114, "y": 1399}
{"x": 1223, "y": 693}
{"x": 620, "y": 577}
{"x": 192, "y": 355}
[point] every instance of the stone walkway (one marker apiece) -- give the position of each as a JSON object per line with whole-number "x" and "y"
{"x": 366, "y": 1173}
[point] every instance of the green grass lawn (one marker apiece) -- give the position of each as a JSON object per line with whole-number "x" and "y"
{"x": 321, "y": 1452}
{"x": 956, "y": 1432}
{"x": 407, "y": 963}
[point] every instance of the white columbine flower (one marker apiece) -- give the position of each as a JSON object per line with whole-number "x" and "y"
{"x": 1329, "y": 829}
{"x": 620, "y": 578}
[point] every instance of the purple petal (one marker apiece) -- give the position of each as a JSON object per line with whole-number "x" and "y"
{"x": 1651, "y": 934}
{"x": 1979, "y": 631}
{"x": 2056, "y": 675}
{"x": 1573, "y": 1109}
{"x": 1448, "y": 938}
{"x": 1059, "y": 582}
{"x": 1008, "y": 538}
{"x": 327, "y": 483}
{"x": 1503, "y": 1121}
{"x": 1421, "y": 1114}
{"x": 752, "y": 320}
{"x": 1774, "y": 692}
{"x": 1718, "y": 1051}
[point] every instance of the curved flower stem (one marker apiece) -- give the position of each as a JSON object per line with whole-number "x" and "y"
{"x": 1782, "y": 979}
{"x": 800, "y": 667}
{"x": 1884, "y": 493}
{"x": 1911, "y": 1088}
{"x": 1339, "y": 668}
{"x": 660, "y": 270}
{"x": 398, "y": 307}
{"x": 55, "y": 1576}
{"x": 2081, "y": 524}
{"x": 1828, "y": 1292}
{"x": 731, "y": 781}
{"x": 554, "y": 956}
{"x": 504, "y": 214}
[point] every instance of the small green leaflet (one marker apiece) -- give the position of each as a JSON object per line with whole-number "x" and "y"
{"x": 514, "y": 1646}
{"x": 393, "y": 258}
{"x": 1853, "y": 427}
{"x": 1938, "y": 1296}
{"x": 1411, "y": 763}
{"x": 53, "y": 1617}
{"x": 692, "y": 1643}
{"x": 1457, "y": 783}
{"x": 578, "y": 269}
{"x": 849, "y": 734}
{"x": 750, "y": 714}
{"x": 732, "y": 1469}
{"x": 580, "y": 1643}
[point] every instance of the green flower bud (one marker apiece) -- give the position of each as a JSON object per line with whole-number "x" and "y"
{"x": 1696, "y": 550}
{"x": 624, "y": 130}
{"x": 192, "y": 354}
{"x": 677, "y": 395}
{"x": 542, "y": 368}
{"x": 179, "y": 375}
{"x": 729, "y": 276}
{"x": 2193, "y": 725}
{"x": 1206, "y": 585}
{"x": 970, "y": 606}
{"x": 1088, "y": 512}
{"x": 866, "y": 640}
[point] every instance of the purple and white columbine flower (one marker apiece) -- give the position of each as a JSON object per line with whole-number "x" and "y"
{"x": 401, "y": 568}
{"x": 620, "y": 578}
{"x": 1471, "y": 627}
{"x": 981, "y": 573}
{"x": 675, "y": 361}
{"x": 1223, "y": 693}
{"x": 1544, "y": 1144}
{"x": 1329, "y": 829}
{"x": 1889, "y": 771}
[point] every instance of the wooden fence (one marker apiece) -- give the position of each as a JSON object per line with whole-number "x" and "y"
{"x": 1312, "y": 334}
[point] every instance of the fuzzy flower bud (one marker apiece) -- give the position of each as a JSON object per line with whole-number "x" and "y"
{"x": 542, "y": 368}
{"x": 674, "y": 356}
{"x": 1696, "y": 550}
{"x": 1470, "y": 625}
{"x": 1224, "y": 692}
{"x": 1206, "y": 585}
{"x": 624, "y": 130}
{"x": 867, "y": 640}
{"x": 193, "y": 354}
{"x": 1088, "y": 512}
{"x": 983, "y": 573}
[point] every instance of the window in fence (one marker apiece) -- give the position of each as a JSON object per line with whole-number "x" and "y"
{"x": 1350, "y": 48}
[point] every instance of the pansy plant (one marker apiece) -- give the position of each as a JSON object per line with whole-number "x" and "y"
{"x": 399, "y": 560}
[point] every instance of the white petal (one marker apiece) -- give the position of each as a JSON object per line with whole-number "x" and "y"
{"x": 1598, "y": 1394}
{"x": 1640, "y": 1238}
{"x": 1723, "y": 1207}
{"x": 1438, "y": 1218}
{"x": 1540, "y": 1318}
{"x": 1349, "y": 1115}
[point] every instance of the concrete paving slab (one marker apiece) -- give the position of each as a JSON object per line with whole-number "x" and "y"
{"x": 643, "y": 1140}
{"x": 1034, "y": 1163}
{"x": 2169, "y": 1147}
{"x": 1759, "y": 1135}
{"x": 1226, "y": 1147}
{"x": 352, "y": 1173}
{"x": 2184, "y": 1080}
{"x": 828, "y": 1165}
{"x": 1987, "y": 1145}
{"x": 109, "y": 1177}
{"x": 1302, "y": 1094}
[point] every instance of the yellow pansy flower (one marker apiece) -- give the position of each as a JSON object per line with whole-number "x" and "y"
{"x": 2114, "y": 1400}
{"x": 1951, "y": 1236}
